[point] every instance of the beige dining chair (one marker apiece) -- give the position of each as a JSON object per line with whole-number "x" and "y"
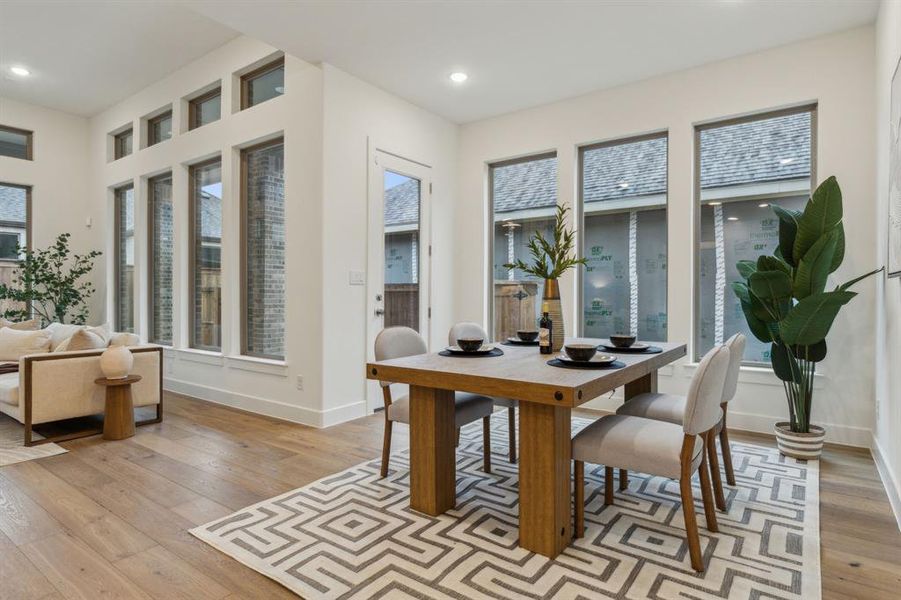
{"x": 467, "y": 329}
{"x": 659, "y": 448}
{"x": 671, "y": 408}
{"x": 398, "y": 342}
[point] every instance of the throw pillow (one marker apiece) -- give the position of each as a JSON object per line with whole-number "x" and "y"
{"x": 30, "y": 325}
{"x": 124, "y": 339}
{"x": 85, "y": 339}
{"x": 60, "y": 332}
{"x": 16, "y": 343}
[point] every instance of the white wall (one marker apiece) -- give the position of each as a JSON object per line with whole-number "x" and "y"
{"x": 887, "y": 427}
{"x": 356, "y": 115}
{"x": 835, "y": 71}
{"x": 59, "y": 178}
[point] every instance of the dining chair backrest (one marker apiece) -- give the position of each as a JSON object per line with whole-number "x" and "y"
{"x": 463, "y": 330}
{"x": 736, "y": 345}
{"x": 397, "y": 342}
{"x": 702, "y": 408}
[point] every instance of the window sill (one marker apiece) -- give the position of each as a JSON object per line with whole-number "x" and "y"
{"x": 258, "y": 365}
{"x": 201, "y": 356}
{"x": 754, "y": 375}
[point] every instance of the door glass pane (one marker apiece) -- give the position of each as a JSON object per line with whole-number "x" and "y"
{"x": 402, "y": 196}
{"x": 745, "y": 168}
{"x": 206, "y": 234}
{"x": 161, "y": 240}
{"x": 524, "y": 198}
{"x": 125, "y": 265}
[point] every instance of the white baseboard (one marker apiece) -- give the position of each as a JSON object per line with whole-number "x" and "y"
{"x": 892, "y": 489}
{"x": 846, "y": 435}
{"x": 340, "y": 414}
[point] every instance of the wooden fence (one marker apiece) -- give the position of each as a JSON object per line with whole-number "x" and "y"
{"x": 402, "y": 305}
{"x": 515, "y": 303}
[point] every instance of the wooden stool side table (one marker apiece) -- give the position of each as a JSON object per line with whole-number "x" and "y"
{"x": 119, "y": 415}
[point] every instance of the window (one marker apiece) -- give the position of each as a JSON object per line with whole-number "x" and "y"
{"x": 206, "y": 255}
{"x": 15, "y": 224}
{"x": 124, "y": 199}
{"x": 205, "y": 109}
{"x": 263, "y": 200}
{"x": 159, "y": 128}
{"x": 263, "y": 84}
{"x": 15, "y": 143}
{"x": 623, "y": 199}
{"x": 122, "y": 143}
{"x": 745, "y": 166}
{"x": 523, "y": 201}
{"x": 160, "y": 227}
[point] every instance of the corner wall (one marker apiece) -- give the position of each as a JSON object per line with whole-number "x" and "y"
{"x": 836, "y": 71}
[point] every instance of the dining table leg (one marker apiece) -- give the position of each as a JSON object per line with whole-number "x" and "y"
{"x": 433, "y": 467}
{"x": 545, "y": 514}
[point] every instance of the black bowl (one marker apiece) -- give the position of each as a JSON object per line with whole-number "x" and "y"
{"x": 580, "y": 352}
{"x": 469, "y": 344}
{"x": 527, "y": 335}
{"x": 621, "y": 340}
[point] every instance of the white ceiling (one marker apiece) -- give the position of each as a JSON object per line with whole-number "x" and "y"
{"x": 524, "y": 53}
{"x": 86, "y": 56}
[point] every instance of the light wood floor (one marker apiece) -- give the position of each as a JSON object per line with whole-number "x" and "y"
{"x": 110, "y": 519}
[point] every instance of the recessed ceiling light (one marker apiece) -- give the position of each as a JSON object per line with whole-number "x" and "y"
{"x": 763, "y": 204}
{"x": 20, "y": 71}
{"x": 786, "y": 161}
{"x": 732, "y": 218}
{"x": 459, "y": 77}
{"x": 714, "y": 203}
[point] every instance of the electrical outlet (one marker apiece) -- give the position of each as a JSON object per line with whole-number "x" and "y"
{"x": 300, "y": 382}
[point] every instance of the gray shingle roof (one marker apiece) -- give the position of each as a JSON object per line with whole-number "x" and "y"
{"x": 402, "y": 203}
{"x": 211, "y": 216}
{"x": 12, "y": 204}
{"x": 733, "y": 155}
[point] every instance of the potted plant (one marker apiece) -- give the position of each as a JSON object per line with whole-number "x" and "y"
{"x": 550, "y": 259}
{"x": 785, "y": 303}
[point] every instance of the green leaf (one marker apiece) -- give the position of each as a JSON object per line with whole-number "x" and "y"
{"x": 758, "y": 327}
{"x": 813, "y": 268}
{"x": 839, "y": 255}
{"x": 809, "y": 321}
{"x": 746, "y": 267}
{"x": 813, "y": 353}
{"x": 788, "y": 230}
{"x": 781, "y": 360}
{"x": 845, "y": 286}
{"x": 770, "y": 285}
{"x": 773, "y": 263}
{"x": 822, "y": 213}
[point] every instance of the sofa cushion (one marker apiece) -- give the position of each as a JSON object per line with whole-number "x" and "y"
{"x": 9, "y": 389}
{"x": 123, "y": 338}
{"x": 30, "y": 325}
{"x": 15, "y": 344}
{"x": 60, "y": 332}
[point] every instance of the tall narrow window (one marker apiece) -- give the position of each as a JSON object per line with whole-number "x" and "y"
{"x": 745, "y": 167}
{"x": 623, "y": 194}
{"x": 523, "y": 201}
{"x": 159, "y": 128}
{"x": 122, "y": 143}
{"x": 263, "y": 84}
{"x": 205, "y": 109}
{"x": 206, "y": 255}
{"x": 159, "y": 212}
{"x": 403, "y": 197}
{"x": 263, "y": 176}
{"x": 125, "y": 257}
{"x": 15, "y": 224}
{"x": 15, "y": 143}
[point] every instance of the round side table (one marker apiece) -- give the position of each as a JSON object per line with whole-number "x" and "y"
{"x": 119, "y": 416}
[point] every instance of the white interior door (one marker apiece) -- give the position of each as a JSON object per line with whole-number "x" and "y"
{"x": 399, "y": 240}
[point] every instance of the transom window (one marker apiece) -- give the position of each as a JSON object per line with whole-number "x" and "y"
{"x": 205, "y": 109}
{"x": 122, "y": 143}
{"x": 159, "y": 128}
{"x": 263, "y": 84}
{"x": 15, "y": 143}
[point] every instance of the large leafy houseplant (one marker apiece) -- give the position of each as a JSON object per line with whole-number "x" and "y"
{"x": 784, "y": 297}
{"x": 48, "y": 283}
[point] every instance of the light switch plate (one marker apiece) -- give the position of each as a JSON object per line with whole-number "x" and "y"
{"x": 357, "y": 278}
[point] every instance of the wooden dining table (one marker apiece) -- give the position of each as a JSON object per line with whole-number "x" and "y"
{"x": 546, "y": 396}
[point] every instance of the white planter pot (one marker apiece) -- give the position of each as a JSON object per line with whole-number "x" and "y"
{"x": 116, "y": 362}
{"x": 803, "y": 446}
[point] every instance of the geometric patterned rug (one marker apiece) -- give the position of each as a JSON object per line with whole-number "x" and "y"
{"x": 353, "y": 535}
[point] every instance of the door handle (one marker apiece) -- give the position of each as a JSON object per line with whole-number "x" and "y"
{"x": 380, "y": 312}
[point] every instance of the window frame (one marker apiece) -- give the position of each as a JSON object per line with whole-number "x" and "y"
{"x": 246, "y": 78}
{"x": 192, "y": 251}
{"x": 808, "y": 107}
{"x": 117, "y": 252}
{"x": 579, "y": 216}
{"x": 151, "y": 222}
{"x": 29, "y": 141}
{"x": 151, "y": 122}
{"x": 118, "y": 143}
{"x": 489, "y": 250}
{"x": 243, "y": 202}
{"x": 193, "y": 113}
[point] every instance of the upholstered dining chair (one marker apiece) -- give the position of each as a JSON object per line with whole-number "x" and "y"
{"x": 467, "y": 329}
{"x": 397, "y": 342}
{"x": 671, "y": 408}
{"x": 659, "y": 448}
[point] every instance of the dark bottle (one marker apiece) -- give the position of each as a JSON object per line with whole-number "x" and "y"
{"x": 545, "y": 329}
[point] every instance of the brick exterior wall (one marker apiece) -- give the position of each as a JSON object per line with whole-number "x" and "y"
{"x": 161, "y": 253}
{"x": 125, "y": 276}
{"x": 265, "y": 252}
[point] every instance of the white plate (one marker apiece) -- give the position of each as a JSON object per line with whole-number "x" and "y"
{"x": 636, "y": 347}
{"x": 597, "y": 359}
{"x": 486, "y": 348}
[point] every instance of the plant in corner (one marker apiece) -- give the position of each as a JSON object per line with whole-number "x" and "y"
{"x": 49, "y": 283}
{"x": 785, "y": 303}
{"x": 550, "y": 260}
